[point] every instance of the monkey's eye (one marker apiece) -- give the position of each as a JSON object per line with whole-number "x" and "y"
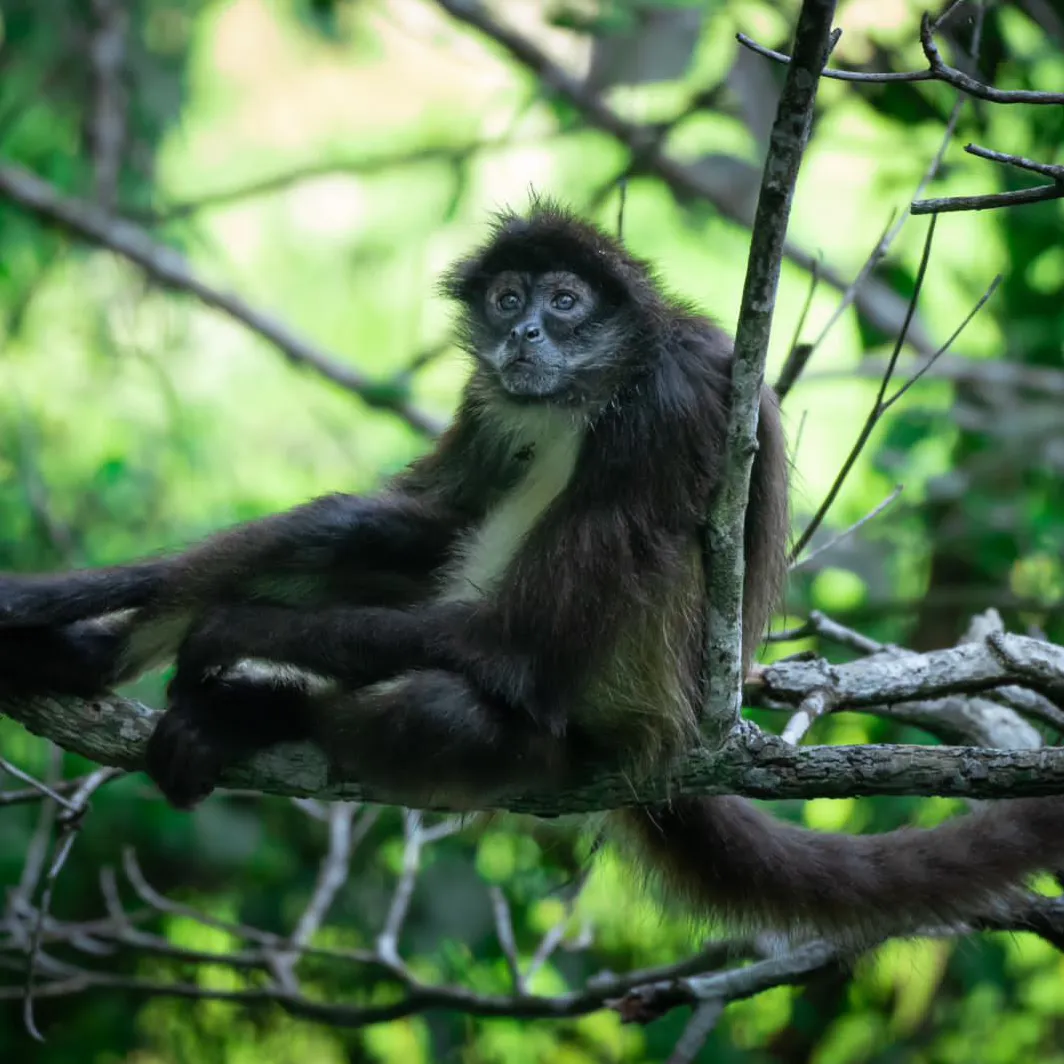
{"x": 563, "y": 301}
{"x": 508, "y": 301}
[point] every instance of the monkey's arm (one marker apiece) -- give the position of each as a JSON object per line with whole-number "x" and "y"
{"x": 352, "y": 645}
{"x": 333, "y": 547}
{"x": 338, "y": 548}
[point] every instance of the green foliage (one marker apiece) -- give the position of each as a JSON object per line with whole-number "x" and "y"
{"x": 134, "y": 420}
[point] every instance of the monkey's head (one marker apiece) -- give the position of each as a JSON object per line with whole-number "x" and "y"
{"x": 553, "y": 308}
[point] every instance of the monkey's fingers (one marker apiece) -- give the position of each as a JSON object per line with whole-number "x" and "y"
{"x": 78, "y": 659}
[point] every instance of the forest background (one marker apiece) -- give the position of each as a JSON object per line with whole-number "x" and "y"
{"x": 325, "y": 159}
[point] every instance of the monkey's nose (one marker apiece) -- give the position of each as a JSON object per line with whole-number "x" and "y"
{"x": 530, "y": 334}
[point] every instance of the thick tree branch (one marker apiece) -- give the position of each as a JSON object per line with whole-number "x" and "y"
{"x": 170, "y": 269}
{"x": 114, "y": 731}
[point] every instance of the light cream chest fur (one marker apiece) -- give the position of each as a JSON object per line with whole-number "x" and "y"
{"x": 554, "y": 439}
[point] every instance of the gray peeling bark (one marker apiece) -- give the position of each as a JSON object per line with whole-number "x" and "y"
{"x": 114, "y": 731}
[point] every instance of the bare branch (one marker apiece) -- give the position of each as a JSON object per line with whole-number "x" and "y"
{"x": 388, "y": 940}
{"x": 801, "y": 356}
{"x": 504, "y": 932}
{"x": 836, "y": 539}
{"x": 877, "y": 410}
{"x": 70, "y": 822}
{"x": 883, "y": 403}
{"x": 343, "y": 841}
{"x": 990, "y": 200}
{"x": 724, "y": 528}
{"x": 1054, "y": 171}
{"x": 364, "y": 167}
{"x": 41, "y": 788}
{"x": 819, "y": 624}
{"x": 938, "y": 70}
{"x": 698, "y": 1029}
{"x": 987, "y": 373}
{"x": 109, "y": 104}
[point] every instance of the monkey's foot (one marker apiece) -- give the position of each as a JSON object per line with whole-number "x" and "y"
{"x": 212, "y": 724}
{"x": 184, "y": 756}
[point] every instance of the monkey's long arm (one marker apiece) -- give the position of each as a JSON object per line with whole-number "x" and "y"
{"x": 338, "y": 548}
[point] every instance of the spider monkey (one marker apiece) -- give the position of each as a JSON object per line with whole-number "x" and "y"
{"x": 520, "y": 608}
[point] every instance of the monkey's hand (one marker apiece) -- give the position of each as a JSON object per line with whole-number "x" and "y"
{"x": 80, "y": 659}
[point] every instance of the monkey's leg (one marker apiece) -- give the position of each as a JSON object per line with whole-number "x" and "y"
{"x": 86, "y": 658}
{"x": 218, "y": 724}
{"x": 426, "y": 738}
{"x": 429, "y": 738}
{"x": 354, "y": 645}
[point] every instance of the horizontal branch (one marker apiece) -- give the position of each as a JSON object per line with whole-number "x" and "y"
{"x": 984, "y": 372}
{"x": 114, "y": 731}
{"x": 937, "y": 70}
{"x": 990, "y": 200}
{"x": 168, "y": 268}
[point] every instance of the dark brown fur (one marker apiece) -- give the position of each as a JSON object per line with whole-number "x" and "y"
{"x": 582, "y": 653}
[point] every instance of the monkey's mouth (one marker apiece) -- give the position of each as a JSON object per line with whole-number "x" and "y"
{"x": 525, "y": 380}
{"x": 526, "y": 377}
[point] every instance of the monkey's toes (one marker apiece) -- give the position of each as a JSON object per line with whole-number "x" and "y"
{"x": 183, "y": 760}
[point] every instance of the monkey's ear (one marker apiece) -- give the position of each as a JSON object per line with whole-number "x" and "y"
{"x": 466, "y": 281}
{"x": 461, "y": 282}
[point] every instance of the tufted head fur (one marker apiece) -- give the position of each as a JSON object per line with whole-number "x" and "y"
{"x": 576, "y": 358}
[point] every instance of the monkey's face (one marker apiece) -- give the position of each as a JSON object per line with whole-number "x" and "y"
{"x": 540, "y": 334}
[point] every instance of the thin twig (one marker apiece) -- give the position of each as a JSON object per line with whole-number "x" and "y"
{"x": 938, "y": 70}
{"x": 70, "y": 823}
{"x": 388, "y": 939}
{"x": 365, "y": 167}
{"x": 989, "y": 201}
{"x": 504, "y": 932}
{"x": 896, "y": 222}
{"x": 846, "y": 532}
{"x": 38, "y": 785}
{"x": 344, "y": 838}
{"x": 109, "y": 104}
{"x": 699, "y": 1028}
{"x": 877, "y": 409}
{"x": 798, "y": 354}
{"x": 919, "y": 374}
